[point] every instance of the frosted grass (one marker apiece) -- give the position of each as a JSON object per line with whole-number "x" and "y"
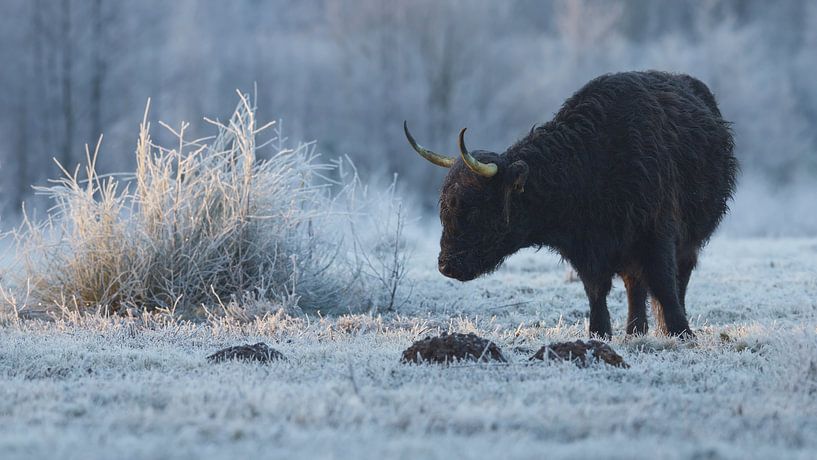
{"x": 88, "y": 386}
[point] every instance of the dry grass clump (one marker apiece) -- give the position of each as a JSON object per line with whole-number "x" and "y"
{"x": 203, "y": 224}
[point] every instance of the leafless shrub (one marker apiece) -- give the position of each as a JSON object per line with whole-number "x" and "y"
{"x": 378, "y": 235}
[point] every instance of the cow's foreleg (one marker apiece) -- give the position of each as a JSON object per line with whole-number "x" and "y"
{"x": 597, "y": 287}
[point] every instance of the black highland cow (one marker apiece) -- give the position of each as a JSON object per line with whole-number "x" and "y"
{"x": 631, "y": 177}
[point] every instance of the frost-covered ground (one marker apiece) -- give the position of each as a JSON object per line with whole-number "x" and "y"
{"x": 90, "y": 387}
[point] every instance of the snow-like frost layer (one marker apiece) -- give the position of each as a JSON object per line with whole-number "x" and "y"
{"x": 108, "y": 388}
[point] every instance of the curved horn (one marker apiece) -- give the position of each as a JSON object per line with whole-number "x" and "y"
{"x": 483, "y": 169}
{"x": 436, "y": 158}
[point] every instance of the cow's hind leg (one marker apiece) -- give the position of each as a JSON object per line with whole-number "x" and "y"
{"x": 597, "y": 287}
{"x": 687, "y": 259}
{"x": 636, "y": 304}
{"x": 661, "y": 274}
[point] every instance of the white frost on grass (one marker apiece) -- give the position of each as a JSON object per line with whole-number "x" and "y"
{"x": 92, "y": 387}
{"x": 212, "y": 221}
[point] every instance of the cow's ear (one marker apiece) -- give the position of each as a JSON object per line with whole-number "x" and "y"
{"x": 517, "y": 176}
{"x": 515, "y": 180}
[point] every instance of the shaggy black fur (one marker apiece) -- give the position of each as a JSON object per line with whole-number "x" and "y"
{"x": 631, "y": 177}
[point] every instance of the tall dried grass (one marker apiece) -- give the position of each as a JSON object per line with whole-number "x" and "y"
{"x": 206, "y": 224}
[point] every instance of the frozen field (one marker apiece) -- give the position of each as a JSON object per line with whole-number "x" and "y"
{"x": 90, "y": 387}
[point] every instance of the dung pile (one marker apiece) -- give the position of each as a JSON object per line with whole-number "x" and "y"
{"x": 581, "y": 353}
{"x": 448, "y": 348}
{"x": 259, "y": 352}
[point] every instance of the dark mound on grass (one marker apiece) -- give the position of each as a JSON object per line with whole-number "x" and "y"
{"x": 448, "y": 348}
{"x": 581, "y": 353}
{"x": 258, "y": 352}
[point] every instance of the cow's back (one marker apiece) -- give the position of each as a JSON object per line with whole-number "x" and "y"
{"x": 653, "y": 150}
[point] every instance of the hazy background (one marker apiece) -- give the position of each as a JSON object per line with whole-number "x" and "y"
{"x": 347, "y": 73}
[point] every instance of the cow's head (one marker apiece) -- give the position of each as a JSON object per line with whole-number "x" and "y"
{"x": 480, "y": 222}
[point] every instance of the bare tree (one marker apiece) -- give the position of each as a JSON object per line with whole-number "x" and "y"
{"x": 99, "y": 65}
{"x": 67, "y": 83}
